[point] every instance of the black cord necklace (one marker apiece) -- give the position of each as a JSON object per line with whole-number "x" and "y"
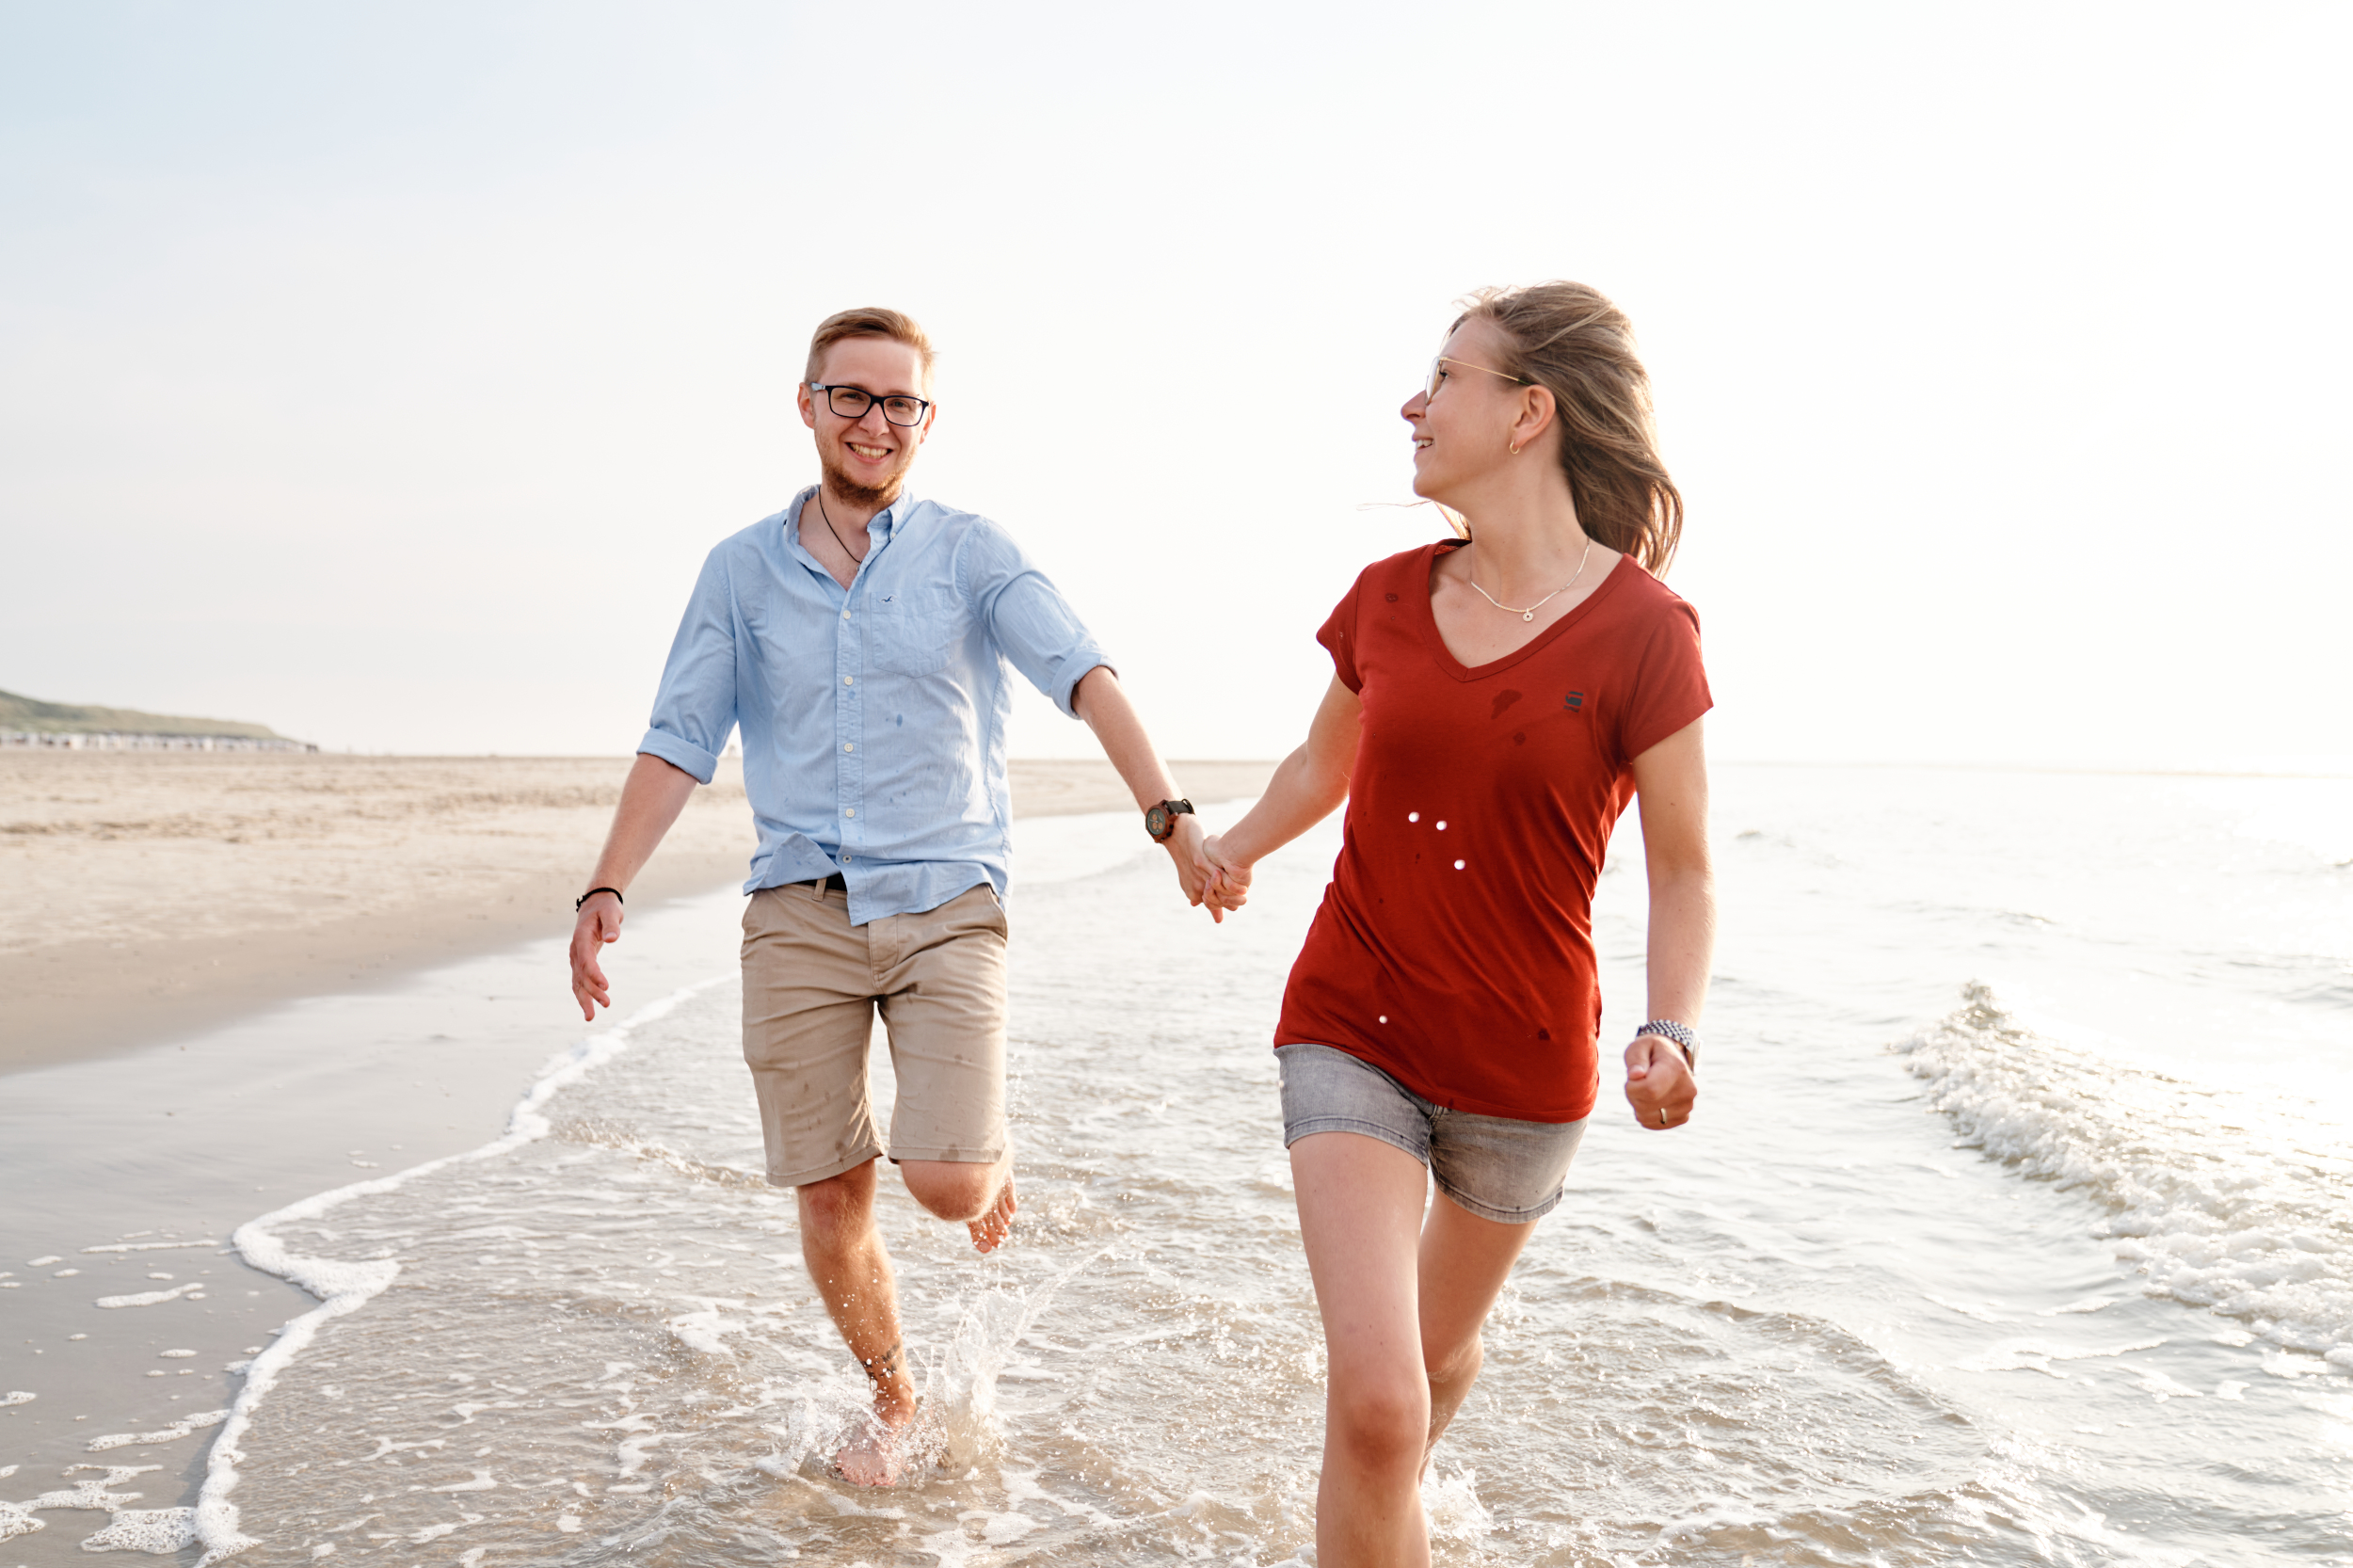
{"x": 835, "y": 532}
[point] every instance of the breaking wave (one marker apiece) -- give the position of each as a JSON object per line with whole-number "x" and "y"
{"x": 2226, "y": 1200}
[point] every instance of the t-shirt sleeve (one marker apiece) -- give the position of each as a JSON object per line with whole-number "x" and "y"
{"x": 1338, "y": 637}
{"x": 1669, "y": 682}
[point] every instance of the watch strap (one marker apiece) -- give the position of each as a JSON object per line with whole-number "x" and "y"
{"x": 1682, "y": 1035}
{"x": 1165, "y": 815}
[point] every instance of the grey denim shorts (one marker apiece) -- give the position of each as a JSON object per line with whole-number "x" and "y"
{"x": 1499, "y": 1169}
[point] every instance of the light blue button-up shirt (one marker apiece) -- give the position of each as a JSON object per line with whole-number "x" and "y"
{"x": 874, "y": 719}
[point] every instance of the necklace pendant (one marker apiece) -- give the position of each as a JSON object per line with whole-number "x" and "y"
{"x": 1528, "y": 614}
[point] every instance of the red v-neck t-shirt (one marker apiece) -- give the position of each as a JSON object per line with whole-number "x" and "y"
{"x": 1454, "y": 949}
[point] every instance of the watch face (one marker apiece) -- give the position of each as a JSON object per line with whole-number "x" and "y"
{"x": 1156, "y": 822}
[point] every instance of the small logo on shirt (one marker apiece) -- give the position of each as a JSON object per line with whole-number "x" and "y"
{"x": 1575, "y": 699}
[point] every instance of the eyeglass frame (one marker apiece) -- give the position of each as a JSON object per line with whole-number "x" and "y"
{"x": 924, "y": 406}
{"x": 1430, "y": 387}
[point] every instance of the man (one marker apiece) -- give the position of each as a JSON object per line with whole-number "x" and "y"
{"x": 861, "y": 639}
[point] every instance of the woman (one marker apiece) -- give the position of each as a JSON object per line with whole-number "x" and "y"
{"x": 1496, "y": 700}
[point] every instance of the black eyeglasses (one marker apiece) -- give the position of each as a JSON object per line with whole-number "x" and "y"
{"x": 853, "y": 402}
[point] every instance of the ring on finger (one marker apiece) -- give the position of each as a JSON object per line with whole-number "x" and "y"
{"x": 1662, "y": 1115}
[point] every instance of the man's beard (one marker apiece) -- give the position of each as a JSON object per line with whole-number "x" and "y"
{"x": 849, "y": 489}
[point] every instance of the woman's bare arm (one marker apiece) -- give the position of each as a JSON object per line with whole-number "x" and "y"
{"x": 1670, "y": 783}
{"x": 1308, "y": 786}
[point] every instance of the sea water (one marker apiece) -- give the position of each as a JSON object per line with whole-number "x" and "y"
{"x": 2015, "y": 1226}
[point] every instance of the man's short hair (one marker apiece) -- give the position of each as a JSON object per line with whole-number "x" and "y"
{"x": 870, "y": 321}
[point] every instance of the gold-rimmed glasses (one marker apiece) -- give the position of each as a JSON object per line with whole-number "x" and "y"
{"x": 1438, "y": 375}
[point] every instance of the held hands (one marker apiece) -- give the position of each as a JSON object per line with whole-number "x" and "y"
{"x": 1226, "y": 885}
{"x": 1658, "y": 1082}
{"x": 1204, "y": 876}
{"x": 1194, "y": 871}
{"x": 600, "y": 923}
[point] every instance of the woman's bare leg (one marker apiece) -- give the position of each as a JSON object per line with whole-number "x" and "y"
{"x": 1360, "y": 1207}
{"x": 1462, "y": 1264}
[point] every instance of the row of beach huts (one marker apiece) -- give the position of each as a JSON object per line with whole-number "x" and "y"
{"x": 109, "y": 741}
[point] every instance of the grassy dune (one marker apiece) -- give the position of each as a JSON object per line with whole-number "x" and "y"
{"x": 66, "y": 718}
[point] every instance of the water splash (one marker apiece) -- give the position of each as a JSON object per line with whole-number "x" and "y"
{"x": 1450, "y": 1503}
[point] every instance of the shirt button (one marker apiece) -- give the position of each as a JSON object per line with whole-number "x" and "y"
{"x": 849, "y": 681}
{"x": 848, "y": 745}
{"x": 845, "y": 615}
{"x": 849, "y": 810}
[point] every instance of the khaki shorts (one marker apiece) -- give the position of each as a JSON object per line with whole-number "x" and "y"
{"x": 811, "y": 983}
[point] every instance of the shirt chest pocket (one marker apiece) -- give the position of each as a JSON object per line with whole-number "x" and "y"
{"x": 913, "y": 631}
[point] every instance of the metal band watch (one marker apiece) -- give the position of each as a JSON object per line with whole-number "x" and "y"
{"x": 1682, "y": 1035}
{"x": 1161, "y": 821}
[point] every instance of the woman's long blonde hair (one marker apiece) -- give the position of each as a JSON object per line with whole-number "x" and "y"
{"x": 1569, "y": 339}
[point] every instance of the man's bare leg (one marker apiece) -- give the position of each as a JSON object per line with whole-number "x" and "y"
{"x": 1462, "y": 1262}
{"x": 843, "y": 1250}
{"x": 979, "y": 1195}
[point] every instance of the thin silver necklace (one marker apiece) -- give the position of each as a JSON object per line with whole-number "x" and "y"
{"x": 861, "y": 560}
{"x": 1530, "y": 614}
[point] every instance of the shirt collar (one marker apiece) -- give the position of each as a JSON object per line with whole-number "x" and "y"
{"x": 880, "y": 528}
{"x": 892, "y": 516}
{"x": 886, "y": 522}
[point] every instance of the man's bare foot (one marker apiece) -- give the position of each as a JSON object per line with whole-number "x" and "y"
{"x": 878, "y": 1456}
{"x": 991, "y": 1230}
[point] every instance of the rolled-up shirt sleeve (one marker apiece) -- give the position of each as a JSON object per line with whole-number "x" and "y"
{"x": 694, "y": 713}
{"x": 1027, "y": 615}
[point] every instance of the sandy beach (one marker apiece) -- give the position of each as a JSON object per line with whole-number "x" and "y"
{"x": 154, "y": 893}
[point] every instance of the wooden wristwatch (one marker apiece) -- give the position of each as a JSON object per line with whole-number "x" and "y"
{"x": 1161, "y": 821}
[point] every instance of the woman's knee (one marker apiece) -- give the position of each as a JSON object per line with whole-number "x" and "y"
{"x": 1381, "y": 1422}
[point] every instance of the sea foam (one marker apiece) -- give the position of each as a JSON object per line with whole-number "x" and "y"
{"x": 343, "y": 1288}
{"x": 2226, "y": 1200}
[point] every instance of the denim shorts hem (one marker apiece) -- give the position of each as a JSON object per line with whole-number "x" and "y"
{"x": 1500, "y": 1216}
{"x": 1295, "y": 1131}
{"x": 1487, "y": 1166}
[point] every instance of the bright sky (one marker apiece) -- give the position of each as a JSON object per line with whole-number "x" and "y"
{"x": 384, "y": 373}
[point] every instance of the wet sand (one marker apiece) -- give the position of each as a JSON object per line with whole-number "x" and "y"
{"x": 151, "y": 894}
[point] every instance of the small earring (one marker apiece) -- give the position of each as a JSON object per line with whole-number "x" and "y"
{"x": 1515, "y": 452}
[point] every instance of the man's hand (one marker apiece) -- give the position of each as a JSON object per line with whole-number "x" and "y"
{"x": 652, "y": 798}
{"x": 600, "y": 923}
{"x": 1658, "y": 1082}
{"x": 1226, "y": 887}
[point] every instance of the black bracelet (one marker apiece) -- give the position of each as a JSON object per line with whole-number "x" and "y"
{"x": 593, "y": 892}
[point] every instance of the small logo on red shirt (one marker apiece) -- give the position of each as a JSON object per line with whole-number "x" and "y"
{"x": 1575, "y": 699}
